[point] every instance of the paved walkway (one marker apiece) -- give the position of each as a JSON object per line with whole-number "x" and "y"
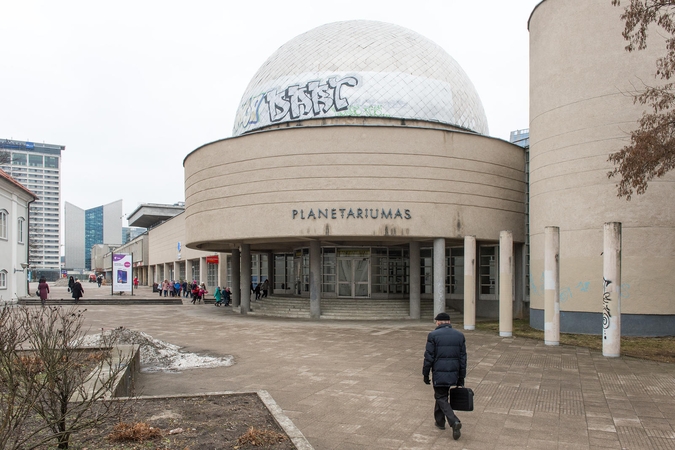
{"x": 356, "y": 385}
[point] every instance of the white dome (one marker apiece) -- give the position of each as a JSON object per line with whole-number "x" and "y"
{"x": 360, "y": 68}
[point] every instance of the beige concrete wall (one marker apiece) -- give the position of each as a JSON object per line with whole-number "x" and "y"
{"x": 164, "y": 239}
{"x": 453, "y": 184}
{"x": 581, "y": 110}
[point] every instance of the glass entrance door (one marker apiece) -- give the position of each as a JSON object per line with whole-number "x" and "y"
{"x": 353, "y": 277}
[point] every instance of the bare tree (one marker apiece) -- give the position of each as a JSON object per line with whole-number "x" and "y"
{"x": 67, "y": 395}
{"x": 5, "y": 158}
{"x": 19, "y": 388}
{"x": 651, "y": 152}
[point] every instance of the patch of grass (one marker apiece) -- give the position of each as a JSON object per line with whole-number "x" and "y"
{"x": 260, "y": 438}
{"x": 660, "y": 349}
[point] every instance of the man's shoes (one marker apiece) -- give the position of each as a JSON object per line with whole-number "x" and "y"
{"x": 440, "y": 427}
{"x": 456, "y": 427}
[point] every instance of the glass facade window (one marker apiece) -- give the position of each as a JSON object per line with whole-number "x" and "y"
{"x": 3, "y": 224}
{"x": 488, "y": 270}
{"x": 93, "y": 232}
{"x": 259, "y": 271}
{"x": 3, "y": 279}
{"x": 379, "y": 264}
{"x": 211, "y": 274}
{"x": 305, "y": 270}
{"x": 399, "y": 271}
{"x": 35, "y": 161}
{"x": 283, "y": 272}
{"x": 328, "y": 274}
{"x": 195, "y": 271}
{"x": 181, "y": 270}
{"x": 426, "y": 271}
{"x": 228, "y": 268}
{"x": 52, "y": 162}
{"x": 20, "y": 224}
{"x": 454, "y": 283}
{"x": 19, "y": 159}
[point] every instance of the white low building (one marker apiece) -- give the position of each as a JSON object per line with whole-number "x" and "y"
{"x": 14, "y": 243}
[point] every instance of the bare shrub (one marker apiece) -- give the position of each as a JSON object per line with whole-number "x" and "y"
{"x": 261, "y": 438}
{"x": 134, "y": 432}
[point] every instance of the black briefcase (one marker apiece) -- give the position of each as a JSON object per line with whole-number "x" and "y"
{"x": 461, "y": 399}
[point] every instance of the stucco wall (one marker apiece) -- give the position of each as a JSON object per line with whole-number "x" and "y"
{"x": 444, "y": 183}
{"x": 581, "y": 110}
{"x": 164, "y": 239}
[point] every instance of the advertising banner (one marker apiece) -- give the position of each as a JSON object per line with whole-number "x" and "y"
{"x": 122, "y": 272}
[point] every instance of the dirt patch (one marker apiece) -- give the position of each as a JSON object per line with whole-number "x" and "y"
{"x": 238, "y": 421}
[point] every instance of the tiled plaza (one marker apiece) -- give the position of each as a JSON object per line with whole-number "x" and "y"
{"x": 358, "y": 385}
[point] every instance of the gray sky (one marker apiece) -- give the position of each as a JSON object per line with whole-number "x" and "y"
{"x": 131, "y": 87}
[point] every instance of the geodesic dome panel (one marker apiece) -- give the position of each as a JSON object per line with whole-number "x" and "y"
{"x": 360, "y": 68}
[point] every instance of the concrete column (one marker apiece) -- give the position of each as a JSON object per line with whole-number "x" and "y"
{"x": 439, "y": 276}
{"x": 188, "y": 271}
{"x": 151, "y": 275}
{"x": 611, "y": 295}
{"x": 166, "y": 272}
{"x": 236, "y": 280}
{"x": 314, "y": 279}
{"x": 245, "y": 278}
{"x": 222, "y": 270}
{"x": 506, "y": 283}
{"x": 414, "y": 280}
{"x": 552, "y": 286}
{"x": 203, "y": 272}
{"x": 469, "y": 282}
{"x": 176, "y": 271}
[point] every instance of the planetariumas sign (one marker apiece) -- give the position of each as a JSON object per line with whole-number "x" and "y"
{"x": 351, "y": 213}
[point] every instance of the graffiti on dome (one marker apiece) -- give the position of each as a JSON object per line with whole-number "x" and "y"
{"x": 314, "y": 99}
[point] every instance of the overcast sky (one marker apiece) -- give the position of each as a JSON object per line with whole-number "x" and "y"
{"x": 131, "y": 87}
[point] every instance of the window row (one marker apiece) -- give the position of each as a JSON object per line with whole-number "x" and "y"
{"x": 4, "y": 226}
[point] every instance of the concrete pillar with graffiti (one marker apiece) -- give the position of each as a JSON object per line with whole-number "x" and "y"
{"x": 611, "y": 292}
{"x": 506, "y": 283}
{"x": 552, "y": 286}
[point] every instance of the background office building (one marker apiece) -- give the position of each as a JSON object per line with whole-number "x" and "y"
{"x": 86, "y": 228}
{"x": 38, "y": 167}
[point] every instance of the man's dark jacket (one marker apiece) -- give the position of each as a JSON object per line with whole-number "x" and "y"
{"x": 445, "y": 356}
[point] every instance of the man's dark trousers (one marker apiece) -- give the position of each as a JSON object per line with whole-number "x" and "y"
{"x": 442, "y": 407}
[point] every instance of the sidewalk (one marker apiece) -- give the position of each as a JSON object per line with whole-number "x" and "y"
{"x": 358, "y": 385}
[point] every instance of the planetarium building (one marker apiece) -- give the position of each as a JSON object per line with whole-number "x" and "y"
{"x": 360, "y": 168}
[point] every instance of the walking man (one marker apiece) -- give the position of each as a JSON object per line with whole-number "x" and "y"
{"x": 445, "y": 358}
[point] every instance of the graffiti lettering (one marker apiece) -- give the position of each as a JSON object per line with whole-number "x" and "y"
{"x": 369, "y": 111}
{"x": 312, "y": 99}
{"x": 606, "y": 314}
{"x": 565, "y": 294}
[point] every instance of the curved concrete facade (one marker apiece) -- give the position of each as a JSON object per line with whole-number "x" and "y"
{"x": 278, "y": 188}
{"x": 581, "y": 110}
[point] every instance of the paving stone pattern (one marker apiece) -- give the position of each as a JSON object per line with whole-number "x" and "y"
{"x": 358, "y": 385}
